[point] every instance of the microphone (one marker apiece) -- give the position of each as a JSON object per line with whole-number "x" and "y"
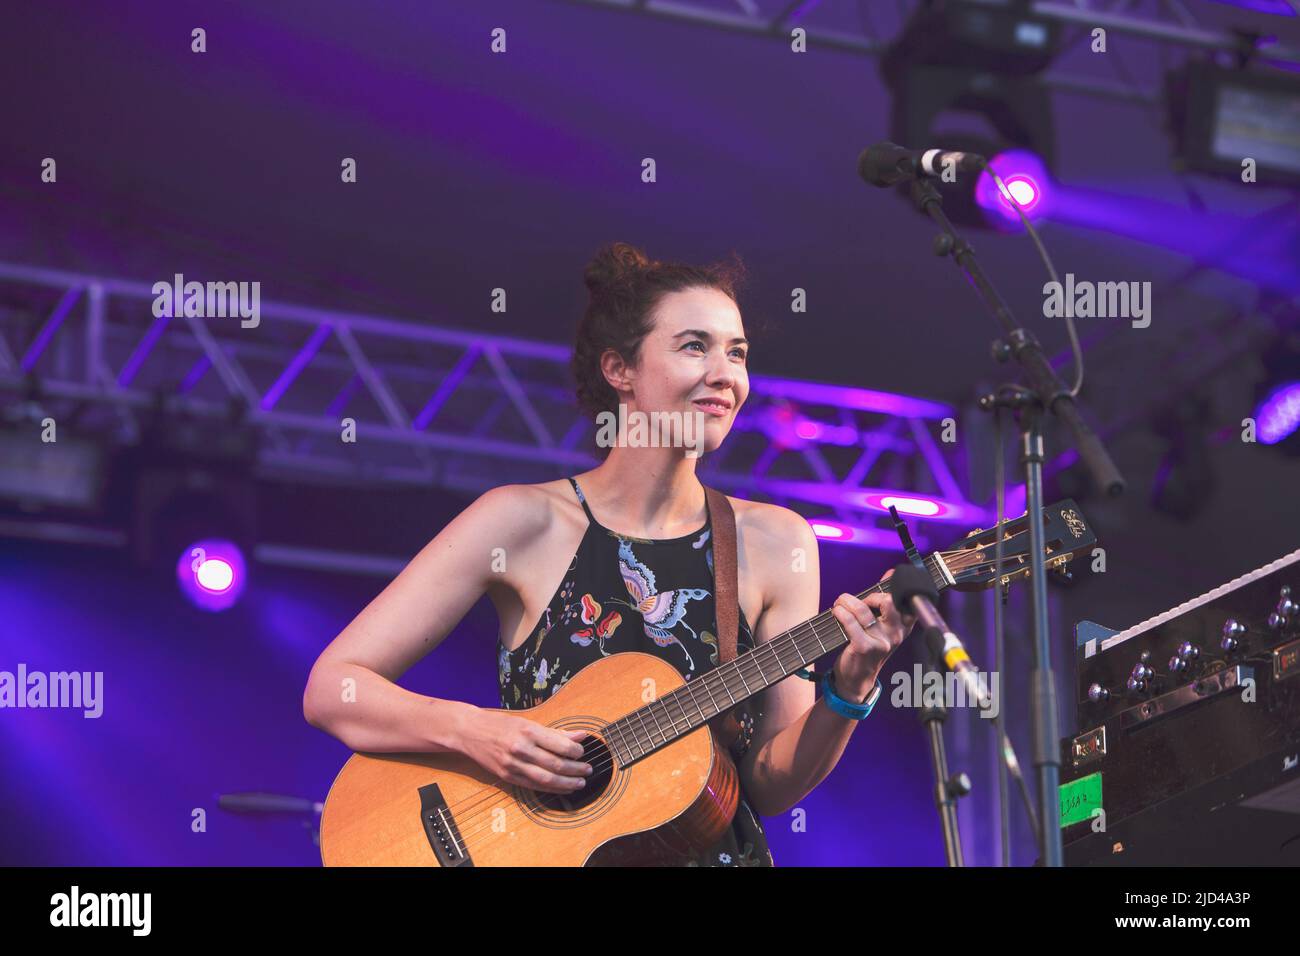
{"x": 885, "y": 164}
{"x": 913, "y": 592}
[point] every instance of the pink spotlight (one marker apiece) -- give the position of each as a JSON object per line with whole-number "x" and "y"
{"x": 1028, "y": 185}
{"x": 823, "y": 530}
{"x": 215, "y": 575}
{"x": 212, "y": 574}
{"x": 912, "y": 506}
{"x": 907, "y": 504}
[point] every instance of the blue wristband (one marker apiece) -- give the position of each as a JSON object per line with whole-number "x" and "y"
{"x": 846, "y": 708}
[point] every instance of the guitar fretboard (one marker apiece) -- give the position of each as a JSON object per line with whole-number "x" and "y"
{"x": 694, "y": 704}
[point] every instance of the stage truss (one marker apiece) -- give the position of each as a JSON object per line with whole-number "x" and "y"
{"x": 434, "y": 406}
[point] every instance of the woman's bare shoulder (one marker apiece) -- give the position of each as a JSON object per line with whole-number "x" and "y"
{"x": 529, "y": 510}
{"x": 769, "y": 522}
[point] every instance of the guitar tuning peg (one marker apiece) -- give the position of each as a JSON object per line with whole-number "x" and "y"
{"x": 1061, "y": 574}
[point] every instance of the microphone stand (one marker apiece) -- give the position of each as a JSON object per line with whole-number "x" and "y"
{"x": 1045, "y": 392}
{"x": 947, "y": 790}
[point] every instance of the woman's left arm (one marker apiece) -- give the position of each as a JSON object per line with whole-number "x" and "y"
{"x": 799, "y": 740}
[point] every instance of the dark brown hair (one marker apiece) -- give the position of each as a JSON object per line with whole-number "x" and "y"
{"x": 625, "y": 288}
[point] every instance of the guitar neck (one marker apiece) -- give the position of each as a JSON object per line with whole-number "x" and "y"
{"x": 696, "y": 703}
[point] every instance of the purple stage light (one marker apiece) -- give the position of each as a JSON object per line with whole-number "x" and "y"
{"x": 828, "y": 529}
{"x": 212, "y": 573}
{"x": 1026, "y": 179}
{"x": 797, "y": 430}
{"x": 862, "y": 399}
{"x": 918, "y": 506}
{"x": 832, "y": 532}
{"x": 1278, "y": 415}
{"x": 912, "y": 506}
{"x": 1279, "y": 8}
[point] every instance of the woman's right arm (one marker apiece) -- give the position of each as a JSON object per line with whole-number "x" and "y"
{"x": 352, "y": 691}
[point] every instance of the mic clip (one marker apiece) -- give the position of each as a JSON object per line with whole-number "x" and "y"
{"x": 909, "y": 548}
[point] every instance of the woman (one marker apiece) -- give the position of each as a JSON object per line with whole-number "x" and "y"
{"x": 656, "y": 337}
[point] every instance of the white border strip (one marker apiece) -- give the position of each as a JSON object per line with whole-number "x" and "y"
{"x": 1193, "y": 604}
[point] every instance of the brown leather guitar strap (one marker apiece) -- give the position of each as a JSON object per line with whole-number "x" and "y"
{"x": 726, "y": 601}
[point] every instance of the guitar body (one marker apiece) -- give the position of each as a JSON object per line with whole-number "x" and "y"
{"x": 443, "y": 809}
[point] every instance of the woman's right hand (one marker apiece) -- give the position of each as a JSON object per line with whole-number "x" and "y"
{"x": 526, "y": 753}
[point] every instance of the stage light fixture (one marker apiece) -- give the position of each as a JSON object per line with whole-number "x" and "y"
{"x": 1281, "y": 8}
{"x": 976, "y": 60}
{"x": 1279, "y": 414}
{"x": 1277, "y": 396}
{"x": 1222, "y": 117}
{"x": 1027, "y": 180}
{"x": 191, "y": 480}
{"x": 212, "y": 573}
{"x": 67, "y": 474}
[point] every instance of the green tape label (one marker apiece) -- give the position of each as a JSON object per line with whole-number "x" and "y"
{"x": 1079, "y": 798}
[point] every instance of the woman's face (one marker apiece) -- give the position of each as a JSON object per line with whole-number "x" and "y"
{"x": 695, "y": 351}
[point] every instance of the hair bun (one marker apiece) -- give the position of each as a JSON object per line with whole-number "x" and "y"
{"x": 615, "y": 264}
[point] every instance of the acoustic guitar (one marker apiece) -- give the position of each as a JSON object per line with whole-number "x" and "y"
{"x": 663, "y": 787}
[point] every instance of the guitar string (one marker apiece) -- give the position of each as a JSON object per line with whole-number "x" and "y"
{"x": 473, "y": 815}
{"x": 787, "y": 639}
{"x": 471, "y": 832}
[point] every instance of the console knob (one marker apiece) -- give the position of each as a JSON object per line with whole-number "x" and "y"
{"x": 1284, "y": 613}
{"x": 1141, "y": 674}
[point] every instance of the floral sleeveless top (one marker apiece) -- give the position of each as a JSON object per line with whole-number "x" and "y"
{"x": 594, "y": 614}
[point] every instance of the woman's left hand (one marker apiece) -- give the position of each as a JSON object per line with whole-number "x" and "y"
{"x": 871, "y": 639}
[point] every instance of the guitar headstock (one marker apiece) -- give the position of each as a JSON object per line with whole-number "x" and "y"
{"x": 1065, "y": 534}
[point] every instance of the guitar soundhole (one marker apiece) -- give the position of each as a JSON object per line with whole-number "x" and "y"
{"x": 596, "y": 753}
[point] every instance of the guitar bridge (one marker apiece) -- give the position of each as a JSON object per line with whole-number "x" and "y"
{"x": 440, "y": 828}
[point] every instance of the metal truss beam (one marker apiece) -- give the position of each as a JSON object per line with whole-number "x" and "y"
{"x": 1166, "y": 21}
{"x": 436, "y": 406}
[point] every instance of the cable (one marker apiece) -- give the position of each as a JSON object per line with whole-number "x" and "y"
{"x": 1075, "y": 348}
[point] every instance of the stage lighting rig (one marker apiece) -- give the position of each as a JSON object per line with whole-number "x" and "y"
{"x": 1222, "y": 117}
{"x": 1277, "y": 396}
{"x": 192, "y": 479}
{"x": 979, "y": 59}
{"x": 46, "y": 468}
